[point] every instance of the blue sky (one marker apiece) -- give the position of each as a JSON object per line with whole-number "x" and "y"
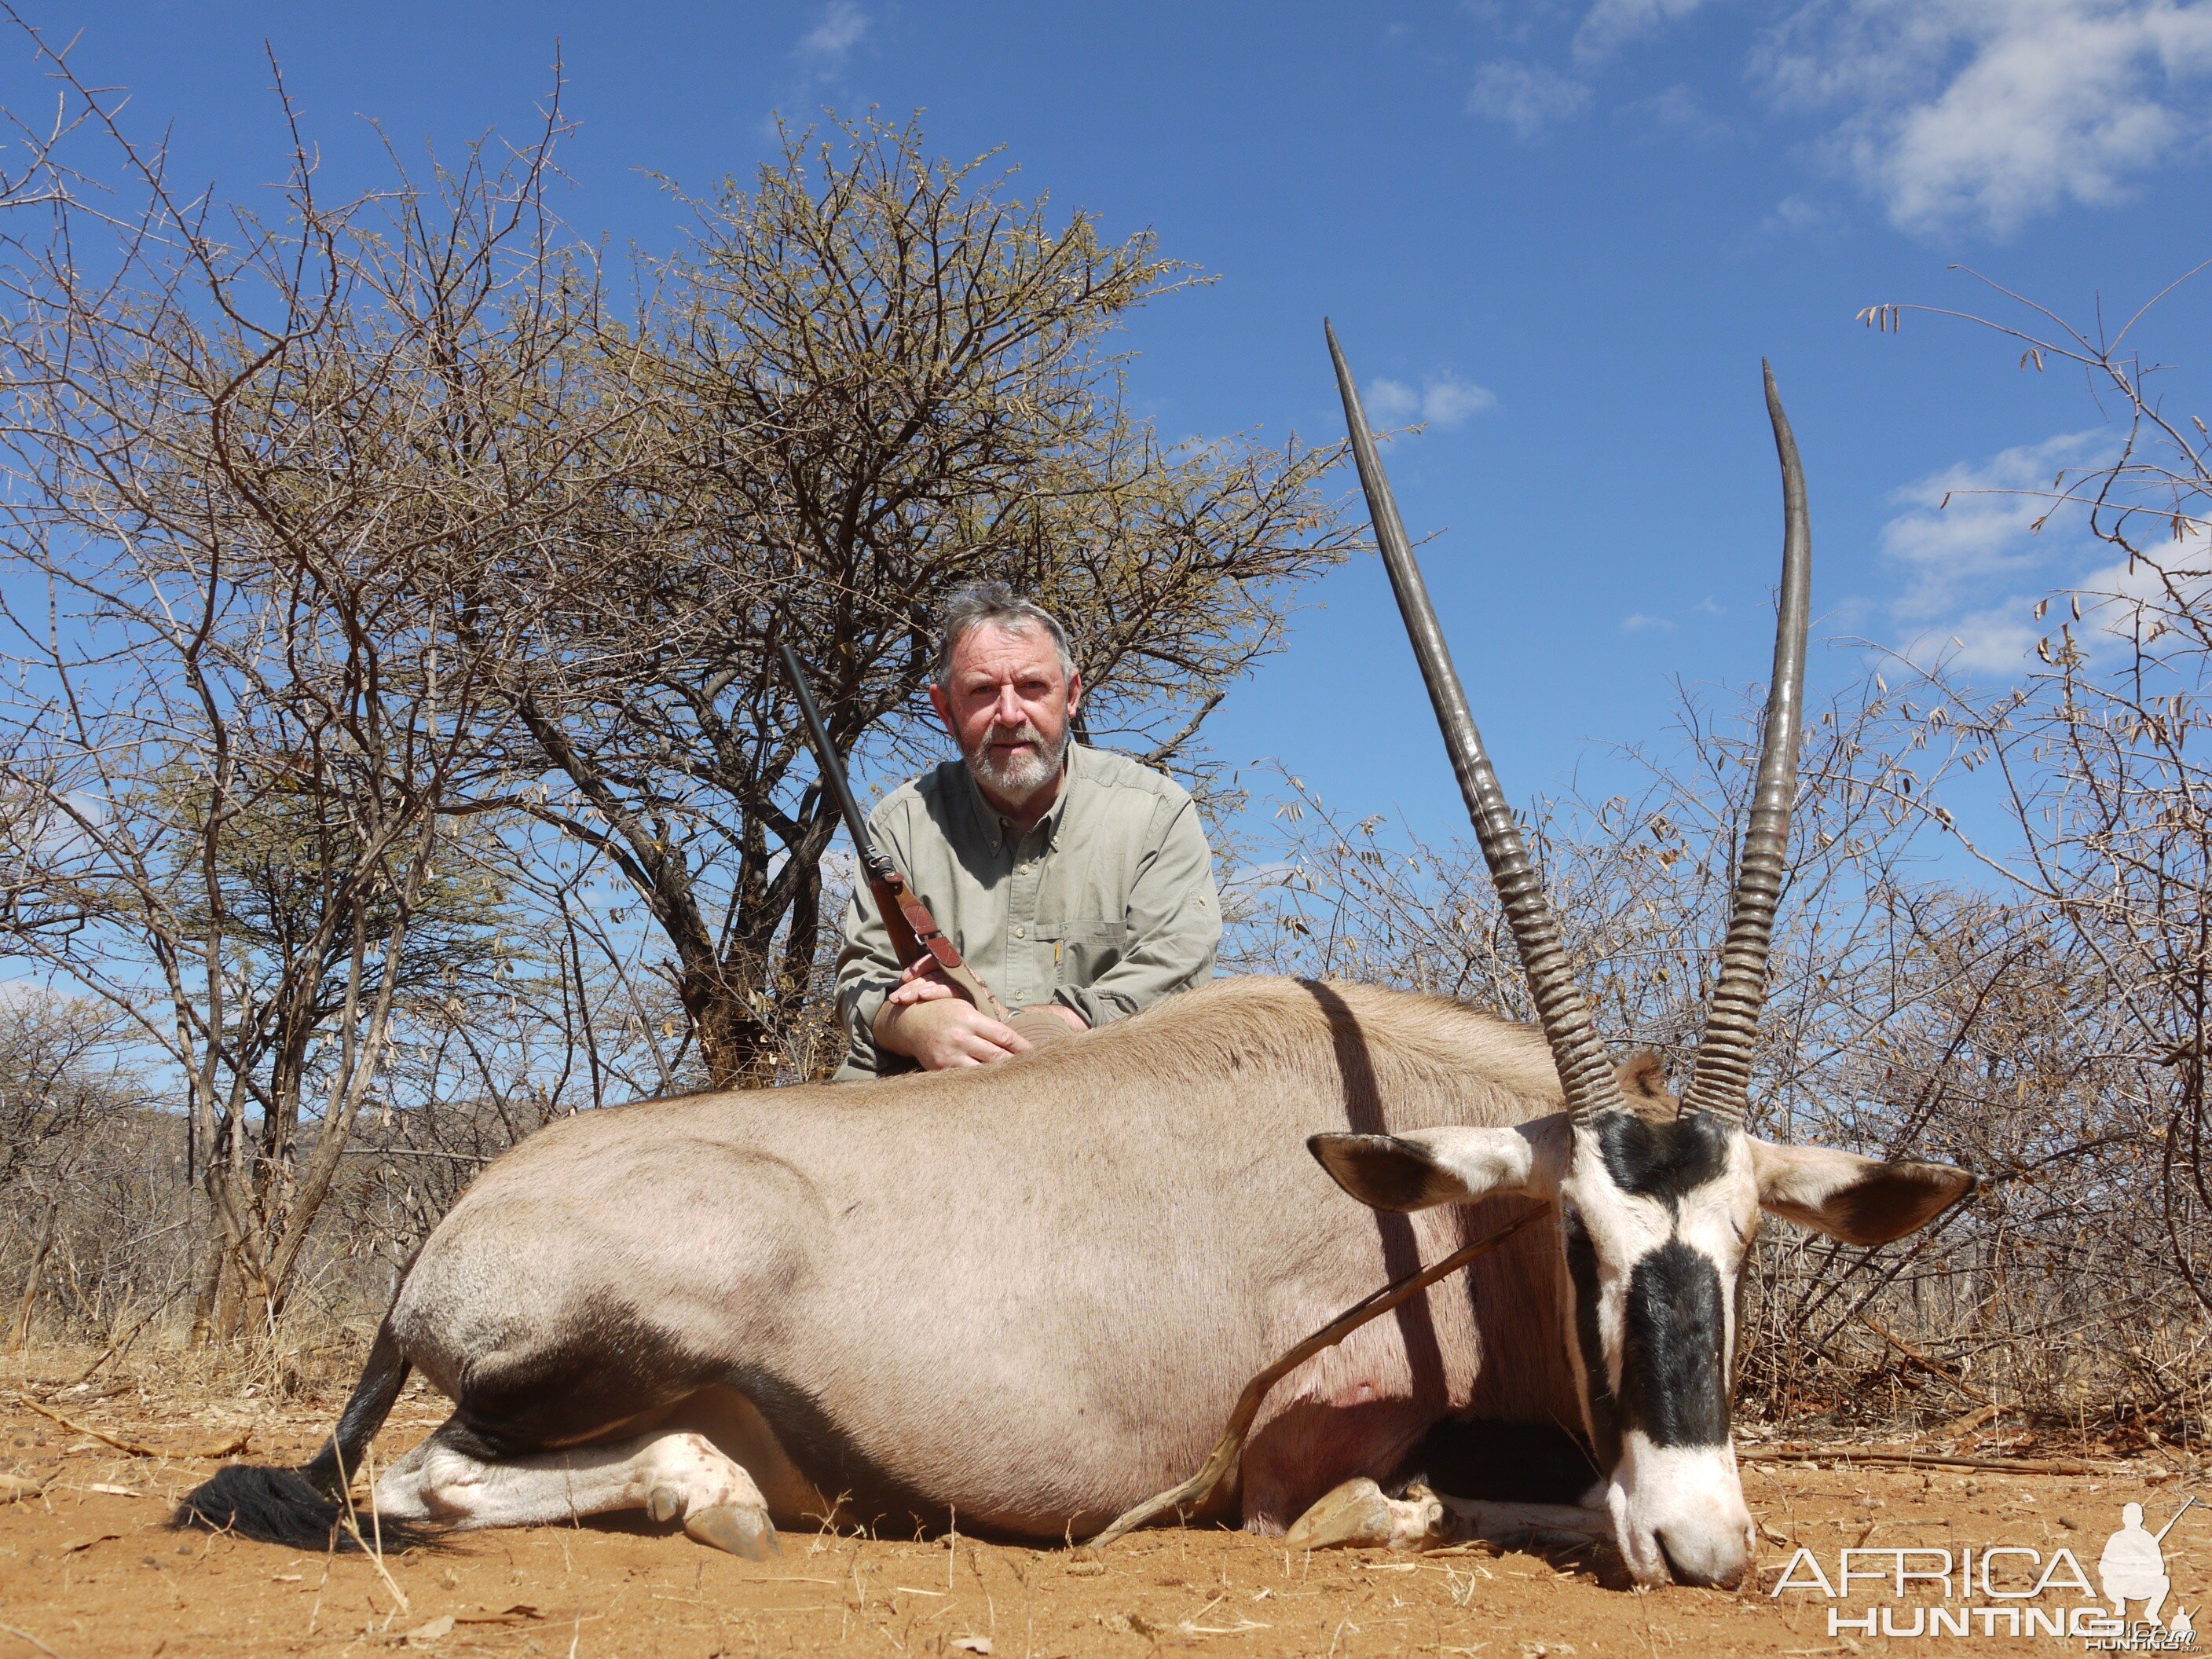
{"x": 1565, "y": 234}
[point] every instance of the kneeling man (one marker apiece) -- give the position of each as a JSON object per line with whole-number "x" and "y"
{"x": 1077, "y": 883}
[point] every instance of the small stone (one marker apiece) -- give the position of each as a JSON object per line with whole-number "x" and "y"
{"x": 971, "y": 1644}
{"x": 436, "y": 1630}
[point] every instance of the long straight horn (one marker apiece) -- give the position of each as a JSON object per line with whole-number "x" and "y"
{"x": 1721, "y": 1083}
{"x": 1584, "y": 1072}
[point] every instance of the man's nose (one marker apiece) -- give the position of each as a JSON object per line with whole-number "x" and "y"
{"x": 1007, "y": 711}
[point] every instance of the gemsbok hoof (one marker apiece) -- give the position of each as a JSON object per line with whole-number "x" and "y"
{"x": 745, "y": 1532}
{"x": 1356, "y": 1515}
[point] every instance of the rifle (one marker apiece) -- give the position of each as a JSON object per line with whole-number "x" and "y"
{"x": 913, "y": 932}
{"x": 2159, "y": 1537}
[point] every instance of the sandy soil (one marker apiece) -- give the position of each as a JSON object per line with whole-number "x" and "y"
{"x": 88, "y": 1567}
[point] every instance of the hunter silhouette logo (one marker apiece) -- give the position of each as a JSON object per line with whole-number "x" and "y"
{"x": 2009, "y": 1589}
{"x": 2133, "y": 1567}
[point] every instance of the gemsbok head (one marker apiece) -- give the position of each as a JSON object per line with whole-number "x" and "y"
{"x": 1656, "y": 1202}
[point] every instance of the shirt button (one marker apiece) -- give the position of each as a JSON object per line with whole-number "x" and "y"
{"x": 1021, "y": 932}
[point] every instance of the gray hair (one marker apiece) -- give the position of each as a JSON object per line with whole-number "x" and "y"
{"x": 995, "y": 605}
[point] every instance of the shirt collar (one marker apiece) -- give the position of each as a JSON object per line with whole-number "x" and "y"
{"x": 993, "y": 826}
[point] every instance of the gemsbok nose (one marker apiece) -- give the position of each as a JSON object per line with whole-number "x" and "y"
{"x": 1703, "y": 1556}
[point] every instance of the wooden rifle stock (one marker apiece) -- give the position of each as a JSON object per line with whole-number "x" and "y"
{"x": 891, "y": 894}
{"x": 915, "y": 934}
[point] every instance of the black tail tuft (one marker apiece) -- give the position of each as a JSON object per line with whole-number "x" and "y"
{"x": 305, "y": 1508}
{"x": 277, "y": 1506}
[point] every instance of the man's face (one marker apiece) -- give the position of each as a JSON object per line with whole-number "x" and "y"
{"x": 1007, "y": 702}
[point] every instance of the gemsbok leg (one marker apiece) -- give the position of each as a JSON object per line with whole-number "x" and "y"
{"x": 1359, "y": 1515}
{"x": 671, "y": 1476}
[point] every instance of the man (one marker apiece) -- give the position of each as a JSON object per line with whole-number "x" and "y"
{"x": 1078, "y": 884}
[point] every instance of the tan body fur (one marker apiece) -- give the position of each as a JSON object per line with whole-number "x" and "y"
{"x": 1028, "y": 1292}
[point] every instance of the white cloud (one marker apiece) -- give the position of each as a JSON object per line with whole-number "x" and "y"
{"x": 1447, "y": 400}
{"x": 1679, "y": 111}
{"x": 1998, "y": 642}
{"x": 1987, "y": 112}
{"x": 1966, "y": 526}
{"x": 1527, "y": 97}
{"x": 2001, "y": 640}
{"x": 1974, "y": 113}
{"x": 1442, "y": 400}
{"x": 2134, "y": 594}
{"x": 1612, "y": 23}
{"x": 1976, "y": 570}
{"x": 823, "y": 49}
{"x": 1801, "y": 216}
{"x": 1646, "y": 622}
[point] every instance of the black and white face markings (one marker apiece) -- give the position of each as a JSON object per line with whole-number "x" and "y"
{"x": 1655, "y": 1216}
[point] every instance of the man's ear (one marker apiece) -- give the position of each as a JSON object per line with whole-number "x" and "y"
{"x": 943, "y": 705}
{"x": 1429, "y": 1167}
{"x": 1858, "y": 1199}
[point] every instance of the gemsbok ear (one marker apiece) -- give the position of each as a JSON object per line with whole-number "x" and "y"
{"x": 1860, "y": 1200}
{"x": 1430, "y": 1167}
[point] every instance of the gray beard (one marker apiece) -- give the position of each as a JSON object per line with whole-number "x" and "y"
{"x": 1016, "y": 782}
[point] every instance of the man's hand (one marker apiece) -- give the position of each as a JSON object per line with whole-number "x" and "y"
{"x": 927, "y": 1020}
{"x": 1073, "y": 1021}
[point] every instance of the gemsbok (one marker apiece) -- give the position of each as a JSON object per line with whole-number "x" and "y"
{"x": 1025, "y": 1296}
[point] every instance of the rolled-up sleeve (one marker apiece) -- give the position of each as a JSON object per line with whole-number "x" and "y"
{"x": 1173, "y": 916}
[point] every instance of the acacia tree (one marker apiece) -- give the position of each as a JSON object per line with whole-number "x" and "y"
{"x": 250, "y": 465}
{"x": 2099, "y": 750}
{"x": 62, "y": 1089}
{"x": 876, "y": 376}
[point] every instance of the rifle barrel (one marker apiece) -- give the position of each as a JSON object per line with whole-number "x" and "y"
{"x": 2159, "y": 1537}
{"x": 826, "y": 758}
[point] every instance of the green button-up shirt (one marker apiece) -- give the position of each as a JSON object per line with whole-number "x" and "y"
{"x": 1107, "y": 905}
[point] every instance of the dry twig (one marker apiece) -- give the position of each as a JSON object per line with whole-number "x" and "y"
{"x": 230, "y": 1448}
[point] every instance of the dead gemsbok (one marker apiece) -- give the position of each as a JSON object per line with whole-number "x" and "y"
{"x": 1027, "y": 1295}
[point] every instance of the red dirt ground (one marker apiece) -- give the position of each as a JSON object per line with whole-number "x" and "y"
{"x": 88, "y": 1568}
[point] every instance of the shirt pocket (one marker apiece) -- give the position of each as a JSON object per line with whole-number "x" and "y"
{"x": 1076, "y": 953}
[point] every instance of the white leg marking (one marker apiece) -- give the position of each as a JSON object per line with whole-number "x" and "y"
{"x": 1525, "y": 1523}
{"x": 1356, "y": 1515}
{"x": 672, "y": 1477}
